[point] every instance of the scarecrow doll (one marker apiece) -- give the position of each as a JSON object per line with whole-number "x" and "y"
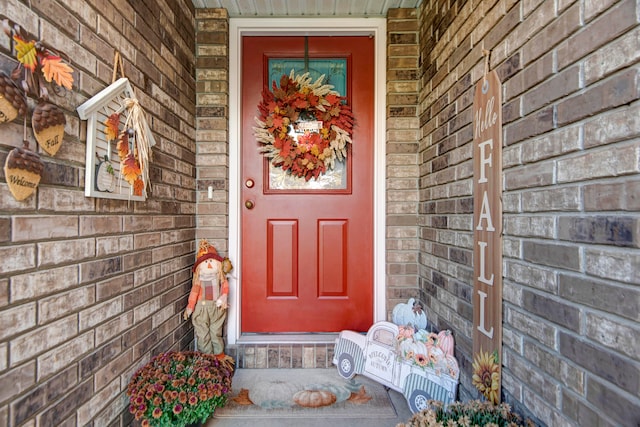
{"x": 208, "y": 298}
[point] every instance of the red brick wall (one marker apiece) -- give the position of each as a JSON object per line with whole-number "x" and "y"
{"x": 91, "y": 288}
{"x": 571, "y": 162}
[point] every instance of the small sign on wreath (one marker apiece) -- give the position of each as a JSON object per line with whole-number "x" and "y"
{"x": 304, "y": 126}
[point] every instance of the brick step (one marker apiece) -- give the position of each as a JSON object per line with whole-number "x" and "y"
{"x": 278, "y": 355}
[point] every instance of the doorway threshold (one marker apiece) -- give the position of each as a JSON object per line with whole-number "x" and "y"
{"x": 277, "y": 351}
{"x": 288, "y": 338}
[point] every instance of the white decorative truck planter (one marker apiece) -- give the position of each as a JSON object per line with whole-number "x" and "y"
{"x": 412, "y": 364}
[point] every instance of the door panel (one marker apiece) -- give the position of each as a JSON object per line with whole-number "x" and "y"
{"x": 282, "y": 258}
{"x": 332, "y": 250}
{"x": 307, "y": 251}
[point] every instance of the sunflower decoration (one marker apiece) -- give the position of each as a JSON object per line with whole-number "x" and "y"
{"x": 305, "y": 126}
{"x": 486, "y": 375}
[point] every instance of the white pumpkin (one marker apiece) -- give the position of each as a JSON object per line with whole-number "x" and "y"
{"x": 410, "y": 346}
{"x": 274, "y": 394}
{"x": 410, "y": 313}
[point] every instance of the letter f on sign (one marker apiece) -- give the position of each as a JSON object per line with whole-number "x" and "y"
{"x": 484, "y": 159}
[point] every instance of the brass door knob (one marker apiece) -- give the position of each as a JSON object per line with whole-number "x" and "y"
{"x": 249, "y": 204}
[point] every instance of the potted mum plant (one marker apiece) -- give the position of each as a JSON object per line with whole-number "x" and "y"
{"x": 469, "y": 414}
{"x": 178, "y": 389}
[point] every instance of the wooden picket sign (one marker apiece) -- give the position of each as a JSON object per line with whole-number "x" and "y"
{"x": 487, "y": 223}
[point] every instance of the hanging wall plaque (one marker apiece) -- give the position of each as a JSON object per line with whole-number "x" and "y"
{"x": 487, "y": 224}
{"x": 119, "y": 144}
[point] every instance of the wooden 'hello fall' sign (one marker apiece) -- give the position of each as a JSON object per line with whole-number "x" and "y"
{"x": 487, "y": 224}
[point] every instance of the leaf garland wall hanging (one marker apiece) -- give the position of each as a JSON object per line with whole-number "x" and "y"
{"x": 313, "y": 149}
{"x": 132, "y": 145}
{"x": 37, "y": 63}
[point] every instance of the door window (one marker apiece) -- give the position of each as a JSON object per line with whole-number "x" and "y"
{"x": 334, "y": 179}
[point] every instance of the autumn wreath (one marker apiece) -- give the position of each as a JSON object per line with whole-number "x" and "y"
{"x": 304, "y": 126}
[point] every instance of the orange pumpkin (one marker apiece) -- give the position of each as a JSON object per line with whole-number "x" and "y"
{"x": 314, "y": 398}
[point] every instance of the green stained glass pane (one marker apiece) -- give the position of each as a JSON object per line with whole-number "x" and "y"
{"x": 334, "y": 70}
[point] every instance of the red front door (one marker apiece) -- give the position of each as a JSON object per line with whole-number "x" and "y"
{"x": 307, "y": 253}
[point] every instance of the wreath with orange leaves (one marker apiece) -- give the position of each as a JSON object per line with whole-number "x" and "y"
{"x": 311, "y": 151}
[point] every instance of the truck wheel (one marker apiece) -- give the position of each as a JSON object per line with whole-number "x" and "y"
{"x": 346, "y": 366}
{"x": 418, "y": 400}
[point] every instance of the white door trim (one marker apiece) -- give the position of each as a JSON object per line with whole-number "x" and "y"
{"x": 238, "y": 27}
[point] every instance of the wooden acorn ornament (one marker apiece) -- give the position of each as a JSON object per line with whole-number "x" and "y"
{"x": 23, "y": 169}
{"x": 48, "y": 127}
{"x": 12, "y": 99}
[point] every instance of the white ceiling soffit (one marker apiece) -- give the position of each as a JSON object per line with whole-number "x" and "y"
{"x": 311, "y": 8}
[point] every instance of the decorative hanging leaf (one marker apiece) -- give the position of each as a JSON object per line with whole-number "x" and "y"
{"x": 123, "y": 145}
{"x": 138, "y": 186}
{"x": 26, "y": 52}
{"x": 54, "y": 68}
{"x": 111, "y": 127}
{"x": 36, "y": 56}
{"x": 130, "y": 169}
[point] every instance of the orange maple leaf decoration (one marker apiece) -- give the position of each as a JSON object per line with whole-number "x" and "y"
{"x": 360, "y": 397}
{"x": 111, "y": 127}
{"x": 61, "y": 73}
{"x": 123, "y": 145}
{"x": 26, "y": 52}
{"x": 130, "y": 169}
{"x": 138, "y": 186}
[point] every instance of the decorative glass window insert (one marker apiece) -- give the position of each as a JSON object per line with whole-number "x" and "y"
{"x": 335, "y": 72}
